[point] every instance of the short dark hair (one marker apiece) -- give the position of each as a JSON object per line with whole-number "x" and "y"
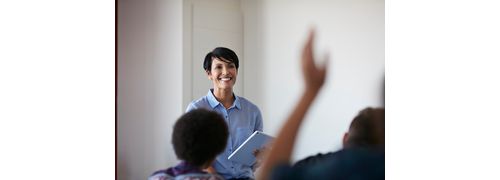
{"x": 222, "y": 53}
{"x": 199, "y": 136}
{"x": 368, "y": 128}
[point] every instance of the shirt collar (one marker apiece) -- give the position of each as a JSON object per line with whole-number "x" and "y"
{"x": 213, "y": 101}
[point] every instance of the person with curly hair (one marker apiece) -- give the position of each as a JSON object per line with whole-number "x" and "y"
{"x": 198, "y": 137}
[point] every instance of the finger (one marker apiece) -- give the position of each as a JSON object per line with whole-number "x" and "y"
{"x": 323, "y": 69}
{"x": 307, "y": 52}
{"x": 310, "y": 39}
{"x": 326, "y": 61}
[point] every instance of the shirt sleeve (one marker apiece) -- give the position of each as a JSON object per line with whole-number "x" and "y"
{"x": 190, "y": 107}
{"x": 259, "y": 125}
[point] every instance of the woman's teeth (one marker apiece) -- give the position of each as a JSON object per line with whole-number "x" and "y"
{"x": 225, "y": 79}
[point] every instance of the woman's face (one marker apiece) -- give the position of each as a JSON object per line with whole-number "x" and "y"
{"x": 223, "y": 74}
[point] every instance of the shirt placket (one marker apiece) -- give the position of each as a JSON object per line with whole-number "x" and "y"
{"x": 225, "y": 113}
{"x": 231, "y": 149}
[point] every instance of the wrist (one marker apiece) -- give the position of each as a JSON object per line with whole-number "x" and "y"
{"x": 311, "y": 92}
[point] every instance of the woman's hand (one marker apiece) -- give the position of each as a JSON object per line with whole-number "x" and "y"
{"x": 259, "y": 155}
{"x": 314, "y": 76}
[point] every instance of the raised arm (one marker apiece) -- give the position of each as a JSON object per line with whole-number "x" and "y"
{"x": 314, "y": 78}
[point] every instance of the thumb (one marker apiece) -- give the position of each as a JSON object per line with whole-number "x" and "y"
{"x": 323, "y": 68}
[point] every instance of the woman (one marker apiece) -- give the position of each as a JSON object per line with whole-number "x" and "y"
{"x": 242, "y": 117}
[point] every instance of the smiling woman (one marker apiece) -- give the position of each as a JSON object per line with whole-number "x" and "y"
{"x": 221, "y": 66}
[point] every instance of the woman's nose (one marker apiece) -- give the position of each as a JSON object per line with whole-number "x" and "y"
{"x": 224, "y": 71}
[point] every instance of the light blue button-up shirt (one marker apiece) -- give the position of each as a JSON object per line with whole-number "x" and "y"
{"x": 242, "y": 118}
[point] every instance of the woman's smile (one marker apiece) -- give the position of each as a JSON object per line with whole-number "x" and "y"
{"x": 223, "y": 73}
{"x": 225, "y": 79}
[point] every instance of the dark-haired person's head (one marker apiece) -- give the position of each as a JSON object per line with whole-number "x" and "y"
{"x": 199, "y": 136}
{"x": 221, "y": 66}
{"x": 223, "y": 54}
{"x": 367, "y": 129}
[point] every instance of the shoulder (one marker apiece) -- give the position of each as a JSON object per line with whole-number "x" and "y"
{"x": 198, "y": 103}
{"x": 362, "y": 155}
{"x": 312, "y": 160}
{"x": 245, "y": 103}
{"x": 363, "y": 163}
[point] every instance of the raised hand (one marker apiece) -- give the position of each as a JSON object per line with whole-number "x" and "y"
{"x": 314, "y": 76}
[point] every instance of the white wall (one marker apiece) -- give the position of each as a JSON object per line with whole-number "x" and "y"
{"x": 149, "y": 84}
{"x": 252, "y": 52}
{"x": 353, "y": 33}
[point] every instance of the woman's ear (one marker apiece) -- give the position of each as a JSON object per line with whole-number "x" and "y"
{"x": 208, "y": 74}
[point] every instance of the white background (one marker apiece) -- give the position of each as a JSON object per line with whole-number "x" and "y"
{"x": 57, "y": 92}
{"x": 57, "y": 89}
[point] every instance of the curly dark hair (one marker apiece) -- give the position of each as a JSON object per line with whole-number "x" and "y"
{"x": 199, "y": 136}
{"x": 368, "y": 128}
{"x": 222, "y": 53}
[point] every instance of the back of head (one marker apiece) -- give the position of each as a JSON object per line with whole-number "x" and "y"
{"x": 199, "y": 136}
{"x": 367, "y": 129}
{"x": 223, "y": 54}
